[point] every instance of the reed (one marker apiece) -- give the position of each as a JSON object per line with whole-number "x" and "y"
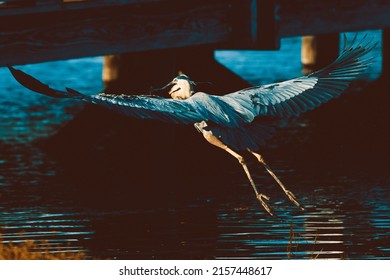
{"x": 292, "y": 244}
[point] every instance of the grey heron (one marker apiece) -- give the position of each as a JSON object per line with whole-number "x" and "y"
{"x": 231, "y": 122}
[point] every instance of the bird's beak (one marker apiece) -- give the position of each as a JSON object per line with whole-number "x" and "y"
{"x": 163, "y": 88}
{"x": 167, "y": 85}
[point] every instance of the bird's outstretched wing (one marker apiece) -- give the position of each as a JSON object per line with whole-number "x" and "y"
{"x": 285, "y": 99}
{"x": 293, "y": 97}
{"x": 197, "y": 108}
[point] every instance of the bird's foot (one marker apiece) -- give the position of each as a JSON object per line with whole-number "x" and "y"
{"x": 266, "y": 207}
{"x": 292, "y": 197}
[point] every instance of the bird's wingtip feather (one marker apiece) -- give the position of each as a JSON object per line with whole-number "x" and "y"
{"x": 34, "y": 84}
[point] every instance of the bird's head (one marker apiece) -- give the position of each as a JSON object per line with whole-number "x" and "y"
{"x": 182, "y": 87}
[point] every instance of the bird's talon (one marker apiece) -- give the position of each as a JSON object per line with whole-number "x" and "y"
{"x": 292, "y": 197}
{"x": 290, "y": 194}
{"x": 266, "y": 207}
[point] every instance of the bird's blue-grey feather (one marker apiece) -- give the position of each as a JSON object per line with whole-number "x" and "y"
{"x": 296, "y": 96}
{"x": 147, "y": 107}
{"x": 249, "y": 136}
{"x": 198, "y": 107}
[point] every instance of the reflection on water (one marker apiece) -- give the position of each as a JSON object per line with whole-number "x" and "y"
{"x": 346, "y": 206}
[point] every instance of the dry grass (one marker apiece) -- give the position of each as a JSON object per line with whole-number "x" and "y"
{"x": 31, "y": 250}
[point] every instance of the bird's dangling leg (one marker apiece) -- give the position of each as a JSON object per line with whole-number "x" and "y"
{"x": 217, "y": 142}
{"x": 245, "y": 167}
{"x": 289, "y": 194}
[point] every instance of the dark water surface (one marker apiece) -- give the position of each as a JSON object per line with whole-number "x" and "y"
{"x": 336, "y": 161}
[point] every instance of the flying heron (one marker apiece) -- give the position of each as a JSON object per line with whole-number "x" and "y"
{"x": 231, "y": 122}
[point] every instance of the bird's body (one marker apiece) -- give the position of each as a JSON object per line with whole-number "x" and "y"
{"x": 231, "y": 122}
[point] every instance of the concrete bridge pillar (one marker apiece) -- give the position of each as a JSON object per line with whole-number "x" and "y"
{"x": 318, "y": 51}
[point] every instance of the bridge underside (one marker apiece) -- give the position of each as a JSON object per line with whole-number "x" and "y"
{"x": 53, "y": 30}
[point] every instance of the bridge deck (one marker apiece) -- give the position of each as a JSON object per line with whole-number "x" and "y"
{"x": 43, "y": 30}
